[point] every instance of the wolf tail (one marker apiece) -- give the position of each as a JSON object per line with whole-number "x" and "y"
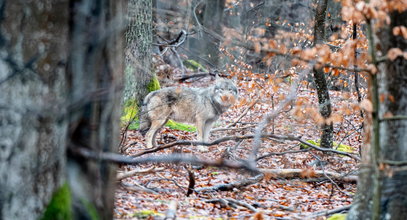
{"x": 145, "y": 122}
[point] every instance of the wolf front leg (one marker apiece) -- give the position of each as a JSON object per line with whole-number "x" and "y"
{"x": 207, "y": 130}
{"x": 204, "y": 128}
{"x": 200, "y": 127}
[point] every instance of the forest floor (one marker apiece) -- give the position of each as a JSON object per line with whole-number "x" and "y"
{"x": 161, "y": 187}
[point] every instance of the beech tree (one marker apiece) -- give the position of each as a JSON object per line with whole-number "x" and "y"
{"x": 138, "y": 74}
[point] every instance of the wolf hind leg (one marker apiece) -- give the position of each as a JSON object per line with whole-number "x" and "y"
{"x": 152, "y": 132}
{"x": 145, "y": 122}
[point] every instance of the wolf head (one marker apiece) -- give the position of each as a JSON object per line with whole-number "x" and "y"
{"x": 225, "y": 92}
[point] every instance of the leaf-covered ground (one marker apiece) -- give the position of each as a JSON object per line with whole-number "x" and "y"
{"x": 149, "y": 195}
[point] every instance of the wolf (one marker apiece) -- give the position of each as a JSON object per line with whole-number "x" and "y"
{"x": 199, "y": 106}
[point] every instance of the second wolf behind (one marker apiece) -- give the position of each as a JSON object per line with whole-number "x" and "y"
{"x": 199, "y": 106}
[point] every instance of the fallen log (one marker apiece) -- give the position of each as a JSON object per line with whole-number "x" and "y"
{"x": 306, "y": 174}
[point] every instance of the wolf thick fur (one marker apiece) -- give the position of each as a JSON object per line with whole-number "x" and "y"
{"x": 199, "y": 106}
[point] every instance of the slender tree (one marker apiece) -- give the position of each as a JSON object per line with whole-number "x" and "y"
{"x": 325, "y": 108}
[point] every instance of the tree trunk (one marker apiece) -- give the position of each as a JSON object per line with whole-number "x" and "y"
{"x": 33, "y": 42}
{"x": 212, "y": 20}
{"x": 95, "y": 71}
{"x": 387, "y": 186}
{"x": 60, "y": 78}
{"x": 138, "y": 75}
{"x": 324, "y": 101}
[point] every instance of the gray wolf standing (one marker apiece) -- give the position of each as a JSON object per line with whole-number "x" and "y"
{"x": 199, "y": 106}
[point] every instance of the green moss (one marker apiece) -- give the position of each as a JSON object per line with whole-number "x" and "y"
{"x": 340, "y": 147}
{"x": 131, "y": 108}
{"x": 130, "y": 111}
{"x": 91, "y": 210}
{"x": 343, "y": 147}
{"x": 154, "y": 84}
{"x": 60, "y": 206}
{"x": 193, "y": 65}
{"x": 147, "y": 214}
{"x": 337, "y": 217}
{"x": 179, "y": 126}
{"x": 304, "y": 146}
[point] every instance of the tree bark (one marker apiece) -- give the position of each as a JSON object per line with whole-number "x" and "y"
{"x": 212, "y": 19}
{"x": 391, "y": 191}
{"x": 324, "y": 101}
{"x": 138, "y": 73}
{"x": 33, "y": 42}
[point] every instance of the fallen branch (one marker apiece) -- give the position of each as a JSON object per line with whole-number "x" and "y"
{"x": 282, "y": 153}
{"x": 123, "y": 175}
{"x": 230, "y": 129}
{"x": 232, "y": 203}
{"x": 231, "y": 186}
{"x": 300, "y": 174}
{"x": 327, "y": 212}
{"x": 137, "y": 187}
{"x": 243, "y": 137}
{"x": 169, "y": 158}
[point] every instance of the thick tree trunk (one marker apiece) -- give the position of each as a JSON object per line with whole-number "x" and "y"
{"x": 212, "y": 20}
{"x": 96, "y": 69}
{"x": 138, "y": 73}
{"x": 205, "y": 48}
{"x": 33, "y": 42}
{"x": 390, "y": 193}
{"x": 325, "y": 108}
